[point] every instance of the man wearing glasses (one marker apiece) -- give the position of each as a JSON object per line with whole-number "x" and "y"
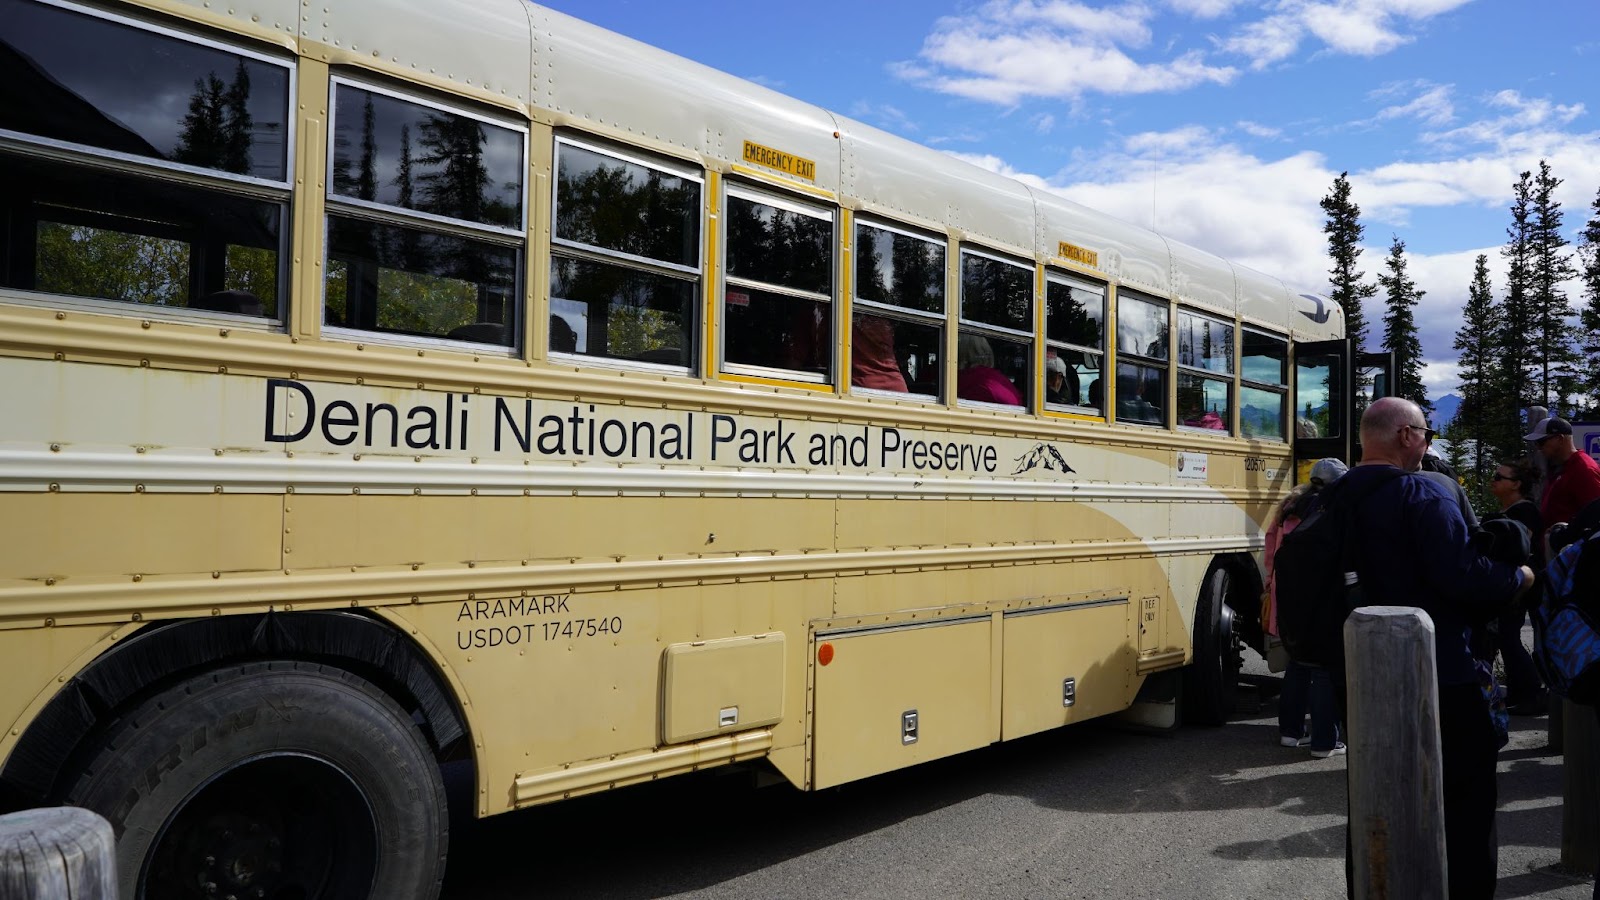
{"x": 1413, "y": 550}
{"x": 1574, "y": 477}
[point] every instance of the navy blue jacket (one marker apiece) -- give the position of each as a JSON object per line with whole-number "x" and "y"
{"x": 1413, "y": 550}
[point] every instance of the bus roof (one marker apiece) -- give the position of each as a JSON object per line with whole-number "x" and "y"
{"x": 572, "y": 73}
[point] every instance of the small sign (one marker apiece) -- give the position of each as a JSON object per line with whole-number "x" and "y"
{"x": 1078, "y": 254}
{"x": 738, "y": 298}
{"x": 1192, "y": 466}
{"x": 1586, "y": 437}
{"x": 786, "y": 163}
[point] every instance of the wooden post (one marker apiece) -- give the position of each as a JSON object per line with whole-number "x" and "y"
{"x": 1580, "y": 794}
{"x": 1395, "y": 765}
{"x": 57, "y": 854}
{"x": 1555, "y": 726}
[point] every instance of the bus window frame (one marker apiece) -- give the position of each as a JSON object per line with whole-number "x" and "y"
{"x": 1227, "y": 378}
{"x": 1073, "y": 280}
{"x": 761, "y": 194}
{"x": 1285, "y": 413}
{"x": 984, "y": 329}
{"x": 395, "y": 216}
{"x": 604, "y": 256}
{"x": 939, "y": 320}
{"x": 115, "y": 162}
{"x": 1166, "y": 366}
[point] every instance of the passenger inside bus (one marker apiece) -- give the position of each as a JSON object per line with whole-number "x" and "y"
{"x": 873, "y": 363}
{"x": 977, "y": 378}
{"x": 1136, "y": 385}
{"x": 1060, "y": 382}
{"x": 562, "y": 338}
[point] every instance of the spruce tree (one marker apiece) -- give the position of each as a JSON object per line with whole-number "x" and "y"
{"x": 1589, "y": 318}
{"x": 1400, "y": 327}
{"x": 1344, "y": 231}
{"x": 1472, "y": 429}
{"x": 1554, "y": 356}
{"x": 1518, "y": 321}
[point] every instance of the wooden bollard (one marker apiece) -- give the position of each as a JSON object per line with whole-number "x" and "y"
{"x": 56, "y": 854}
{"x": 1580, "y": 794}
{"x": 1395, "y": 764}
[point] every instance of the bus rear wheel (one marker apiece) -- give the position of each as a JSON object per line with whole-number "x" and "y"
{"x": 274, "y": 780}
{"x": 1211, "y": 684}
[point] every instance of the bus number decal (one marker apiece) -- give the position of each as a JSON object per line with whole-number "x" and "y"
{"x": 1255, "y": 464}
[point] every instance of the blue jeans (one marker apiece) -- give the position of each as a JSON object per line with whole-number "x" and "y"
{"x": 1308, "y": 687}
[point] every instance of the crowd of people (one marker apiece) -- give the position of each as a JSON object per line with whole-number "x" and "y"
{"x": 1420, "y": 544}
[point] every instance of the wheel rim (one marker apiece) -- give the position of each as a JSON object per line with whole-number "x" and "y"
{"x": 274, "y": 827}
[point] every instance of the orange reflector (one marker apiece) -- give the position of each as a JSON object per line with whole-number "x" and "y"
{"x": 825, "y": 654}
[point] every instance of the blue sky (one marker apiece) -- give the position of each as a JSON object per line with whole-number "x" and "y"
{"x": 1219, "y": 122}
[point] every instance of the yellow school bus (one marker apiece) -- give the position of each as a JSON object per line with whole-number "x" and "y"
{"x": 392, "y": 384}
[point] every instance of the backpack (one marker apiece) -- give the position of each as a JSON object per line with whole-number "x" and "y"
{"x": 1566, "y": 625}
{"x": 1315, "y": 573}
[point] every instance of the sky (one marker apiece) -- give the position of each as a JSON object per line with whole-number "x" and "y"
{"x": 1221, "y": 123}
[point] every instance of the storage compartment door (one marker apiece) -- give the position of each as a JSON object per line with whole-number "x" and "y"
{"x": 716, "y": 687}
{"x": 1065, "y": 664}
{"x": 893, "y": 697}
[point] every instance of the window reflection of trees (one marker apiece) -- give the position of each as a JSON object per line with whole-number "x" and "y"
{"x": 779, "y": 246}
{"x": 615, "y": 206}
{"x": 411, "y": 279}
{"x": 996, "y": 293}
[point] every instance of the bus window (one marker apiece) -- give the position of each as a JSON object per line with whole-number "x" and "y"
{"x": 625, "y": 271}
{"x": 994, "y": 350}
{"x": 407, "y": 178}
{"x": 778, "y": 302}
{"x": 1074, "y": 325}
{"x": 897, "y": 329}
{"x": 1141, "y": 361}
{"x": 102, "y": 217}
{"x": 1205, "y": 351}
{"x": 1264, "y": 372}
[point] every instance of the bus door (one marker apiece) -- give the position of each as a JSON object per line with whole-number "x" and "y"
{"x": 1332, "y": 386}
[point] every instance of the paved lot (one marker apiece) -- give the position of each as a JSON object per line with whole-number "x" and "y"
{"x": 1086, "y": 812}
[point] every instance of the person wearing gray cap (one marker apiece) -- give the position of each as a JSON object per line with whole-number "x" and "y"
{"x": 1306, "y": 688}
{"x": 1574, "y": 478}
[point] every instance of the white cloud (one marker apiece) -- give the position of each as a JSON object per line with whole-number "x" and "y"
{"x": 1204, "y": 9}
{"x": 1265, "y": 42}
{"x": 1189, "y": 184}
{"x": 1044, "y": 123}
{"x": 1004, "y": 52}
{"x": 1432, "y": 106}
{"x": 885, "y": 116}
{"x": 1523, "y": 116}
{"x": 1256, "y": 129}
{"x": 1352, "y": 27}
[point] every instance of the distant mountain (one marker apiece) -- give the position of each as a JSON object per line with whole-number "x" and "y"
{"x": 1444, "y": 410}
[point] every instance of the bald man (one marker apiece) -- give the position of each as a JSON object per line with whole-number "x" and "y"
{"x": 1414, "y": 551}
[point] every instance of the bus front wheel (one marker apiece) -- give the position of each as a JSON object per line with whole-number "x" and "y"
{"x": 1211, "y": 684}
{"x": 271, "y": 780}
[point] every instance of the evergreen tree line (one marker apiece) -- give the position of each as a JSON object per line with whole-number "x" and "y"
{"x": 1523, "y": 345}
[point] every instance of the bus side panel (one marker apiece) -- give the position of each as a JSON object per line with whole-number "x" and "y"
{"x": 115, "y": 536}
{"x": 1087, "y": 645}
{"x": 561, "y": 678}
{"x": 387, "y": 530}
{"x": 34, "y": 662}
{"x": 896, "y": 697}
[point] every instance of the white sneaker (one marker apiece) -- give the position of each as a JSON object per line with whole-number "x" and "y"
{"x": 1338, "y": 750}
{"x": 1286, "y": 741}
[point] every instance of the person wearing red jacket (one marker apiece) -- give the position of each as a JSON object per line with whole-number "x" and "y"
{"x": 1575, "y": 478}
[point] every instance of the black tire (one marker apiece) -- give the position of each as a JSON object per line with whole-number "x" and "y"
{"x": 1211, "y": 683}
{"x": 270, "y": 780}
